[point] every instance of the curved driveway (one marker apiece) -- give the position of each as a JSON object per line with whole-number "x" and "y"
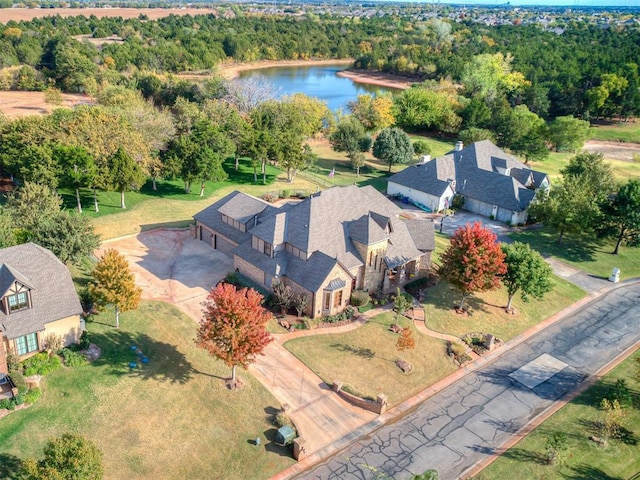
{"x": 468, "y": 421}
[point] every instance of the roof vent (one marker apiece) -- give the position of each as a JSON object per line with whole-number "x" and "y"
{"x": 459, "y": 146}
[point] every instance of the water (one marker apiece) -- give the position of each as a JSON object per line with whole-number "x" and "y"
{"x": 319, "y": 81}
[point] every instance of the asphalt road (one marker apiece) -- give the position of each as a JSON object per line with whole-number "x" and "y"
{"x": 465, "y": 422}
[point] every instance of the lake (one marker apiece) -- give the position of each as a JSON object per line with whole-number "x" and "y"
{"x": 318, "y": 81}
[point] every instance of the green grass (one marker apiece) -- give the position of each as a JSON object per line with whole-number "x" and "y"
{"x": 583, "y": 459}
{"x": 617, "y": 132}
{"x": 584, "y": 252}
{"x": 171, "y": 418}
{"x": 557, "y": 161}
{"x": 364, "y": 359}
{"x": 109, "y": 202}
{"x": 486, "y": 310}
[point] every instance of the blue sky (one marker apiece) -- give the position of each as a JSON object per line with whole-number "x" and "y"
{"x": 570, "y": 3}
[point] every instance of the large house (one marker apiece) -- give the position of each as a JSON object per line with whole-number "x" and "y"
{"x": 37, "y": 299}
{"x": 491, "y": 182}
{"x": 326, "y": 246}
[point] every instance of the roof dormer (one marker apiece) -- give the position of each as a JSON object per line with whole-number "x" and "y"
{"x": 15, "y": 288}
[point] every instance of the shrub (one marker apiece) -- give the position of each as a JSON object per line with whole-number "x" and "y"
{"x": 285, "y": 194}
{"x": 73, "y": 359}
{"x": 32, "y": 395}
{"x": 360, "y": 298}
{"x": 41, "y": 364}
{"x": 420, "y": 147}
{"x": 281, "y": 419}
{"x": 19, "y": 399}
{"x": 365, "y": 308}
{"x": 270, "y": 197}
{"x": 239, "y": 280}
{"x": 53, "y": 343}
{"x": 457, "y": 349}
{"x": 17, "y": 378}
{"x": 13, "y": 362}
{"x": 84, "y": 342}
{"x": 350, "y": 312}
{"x": 4, "y": 403}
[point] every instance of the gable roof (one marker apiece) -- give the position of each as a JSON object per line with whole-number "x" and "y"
{"x": 482, "y": 171}
{"x": 53, "y": 296}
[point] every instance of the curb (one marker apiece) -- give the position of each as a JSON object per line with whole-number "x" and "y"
{"x": 410, "y": 404}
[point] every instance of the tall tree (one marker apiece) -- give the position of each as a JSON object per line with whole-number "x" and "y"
{"x": 568, "y": 133}
{"x": 393, "y": 146}
{"x": 233, "y": 326}
{"x": 69, "y": 236}
{"x": 373, "y": 112}
{"x": 69, "y": 457}
{"x": 114, "y": 285}
{"x": 32, "y": 203}
{"x": 126, "y": 174}
{"x": 621, "y": 215}
{"x": 78, "y": 168}
{"x": 527, "y": 272}
{"x": 592, "y": 171}
{"x": 474, "y": 261}
{"x": 348, "y": 137}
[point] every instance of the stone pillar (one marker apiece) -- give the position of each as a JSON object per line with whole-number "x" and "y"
{"x": 382, "y": 401}
{"x": 299, "y": 448}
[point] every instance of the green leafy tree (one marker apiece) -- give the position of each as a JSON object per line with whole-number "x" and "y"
{"x": 348, "y": 137}
{"x": 621, "y": 215}
{"x": 126, "y": 174}
{"x": 554, "y": 447}
{"x": 69, "y": 457}
{"x": 568, "y": 133}
{"x": 114, "y": 285}
{"x": 472, "y": 135}
{"x": 592, "y": 171}
{"x": 8, "y": 236}
{"x": 527, "y": 272}
{"x": 373, "y": 112}
{"x": 233, "y": 326}
{"x": 393, "y": 146}
{"x": 401, "y": 303}
{"x": 70, "y": 237}
{"x": 421, "y": 147}
{"x": 78, "y": 168}
{"x": 474, "y": 261}
{"x": 567, "y": 208}
{"x": 31, "y": 204}
{"x": 420, "y": 108}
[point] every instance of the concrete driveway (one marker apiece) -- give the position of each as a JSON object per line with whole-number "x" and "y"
{"x": 173, "y": 267}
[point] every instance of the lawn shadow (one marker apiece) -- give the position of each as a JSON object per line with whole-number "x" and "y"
{"x": 624, "y": 435}
{"x": 358, "y": 351}
{"x": 10, "y": 467}
{"x": 582, "y": 471}
{"x": 514, "y": 453}
{"x": 610, "y": 389}
{"x": 165, "y": 362}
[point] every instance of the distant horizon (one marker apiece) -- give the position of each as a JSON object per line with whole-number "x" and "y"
{"x": 539, "y": 3}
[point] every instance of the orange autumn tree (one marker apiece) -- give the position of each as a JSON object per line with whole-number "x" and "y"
{"x": 405, "y": 340}
{"x": 474, "y": 261}
{"x": 233, "y": 326}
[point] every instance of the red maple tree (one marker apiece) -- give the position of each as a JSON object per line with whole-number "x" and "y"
{"x": 233, "y": 326}
{"x": 474, "y": 261}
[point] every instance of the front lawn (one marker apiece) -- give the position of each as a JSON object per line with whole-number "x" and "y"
{"x": 364, "y": 359}
{"x": 171, "y": 418}
{"x": 583, "y": 459}
{"x": 486, "y": 310}
{"x": 584, "y": 252}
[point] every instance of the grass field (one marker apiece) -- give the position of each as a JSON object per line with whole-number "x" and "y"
{"x": 619, "y": 460}
{"x": 171, "y": 418}
{"x": 364, "y": 359}
{"x": 557, "y": 161}
{"x": 487, "y": 313}
{"x": 617, "y": 132}
{"x": 585, "y": 252}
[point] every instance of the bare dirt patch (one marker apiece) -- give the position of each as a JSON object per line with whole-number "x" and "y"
{"x": 19, "y": 104}
{"x": 27, "y": 14}
{"x": 614, "y": 150}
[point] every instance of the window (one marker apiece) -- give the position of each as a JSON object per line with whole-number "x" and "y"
{"x": 267, "y": 248}
{"x": 27, "y": 344}
{"x": 337, "y": 301}
{"x": 18, "y": 301}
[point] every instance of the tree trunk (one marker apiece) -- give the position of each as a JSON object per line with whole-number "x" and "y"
{"x": 117, "y": 317}
{"x": 237, "y": 162}
{"x": 264, "y": 177}
{"x": 389, "y": 167}
{"x": 561, "y": 236}
{"x": 620, "y": 238}
{"x": 233, "y": 375}
{"x": 255, "y": 174}
{"x": 122, "y": 204}
{"x": 78, "y": 200}
{"x": 153, "y": 182}
{"x": 509, "y": 303}
{"x": 202, "y": 189}
{"x": 95, "y": 200}
{"x": 464, "y": 297}
{"x": 358, "y": 171}
{"x": 263, "y": 167}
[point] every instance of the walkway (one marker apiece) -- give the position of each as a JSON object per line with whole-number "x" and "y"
{"x": 469, "y": 420}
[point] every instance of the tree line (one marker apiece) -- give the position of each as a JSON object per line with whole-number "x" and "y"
{"x": 576, "y": 69}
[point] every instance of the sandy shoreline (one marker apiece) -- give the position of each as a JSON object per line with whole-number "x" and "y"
{"x": 377, "y": 78}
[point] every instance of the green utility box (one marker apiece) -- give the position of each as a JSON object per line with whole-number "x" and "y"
{"x": 286, "y": 435}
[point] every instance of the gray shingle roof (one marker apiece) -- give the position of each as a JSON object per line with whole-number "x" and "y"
{"x": 53, "y": 296}
{"x": 243, "y": 207}
{"x": 367, "y": 231}
{"x": 422, "y": 232}
{"x": 480, "y": 172}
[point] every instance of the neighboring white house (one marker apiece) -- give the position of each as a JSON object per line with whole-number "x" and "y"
{"x": 491, "y": 182}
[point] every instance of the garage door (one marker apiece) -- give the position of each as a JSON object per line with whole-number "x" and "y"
{"x": 220, "y": 243}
